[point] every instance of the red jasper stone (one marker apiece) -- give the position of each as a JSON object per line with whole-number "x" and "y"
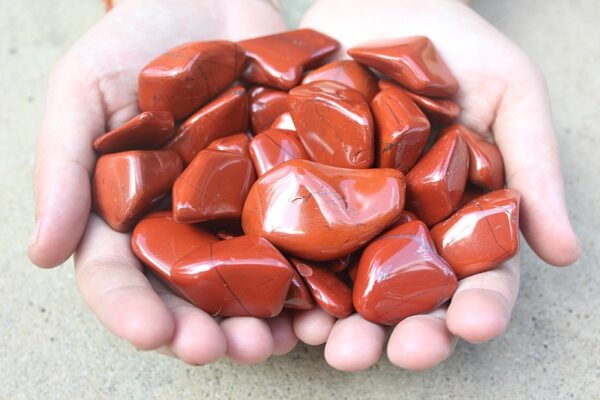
{"x": 348, "y": 72}
{"x": 340, "y": 264}
{"x": 273, "y": 147}
{"x": 237, "y": 143}
{"x": 265, "y": 106}
{"x": 436, "y": 183}
{"x": 412, "y": 61}
{"x": 146, "y": 131}
{"x": 440, "y": 111}
{"x": 226, "y": 115}
{"x": 486, "y": 168}
{"x": 481, "y": 235}
{"x": 402, "y": 129}
{"x": 400, "y": 275}
{"x": 471, "y": 193}
{"x": 284, "y": 122}
{"x": 330, "y": 293}
{"x": 188, "y": 76}
{"x": 278, "y": 60}
{"x": 298, "y": 296}
{"x": 334, "y": 124}
{"x": 242, "y": 276}
{"x": 213, "y": 186}
{"x": 126, "y": 185}
{"x": 320, "y": 213}
{"x": 405, "y": 218}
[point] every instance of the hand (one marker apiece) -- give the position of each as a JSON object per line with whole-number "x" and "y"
{"x": 502, "y": 94}
{"x": 94, "y": 89}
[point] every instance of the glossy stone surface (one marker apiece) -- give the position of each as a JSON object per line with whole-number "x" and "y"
{"x": 340, "y": 264}
{"x": 126, "y": 185}
{"x": 400, "y": 275}
{"x": 401, "y": 129}
{"x": 213, "y": 186}
{"x": 411, "y": 61}
{"x": 278, "y": 60}
{"x": 224, "y": 116}
{"x": 486, "y": 168}
{"x": 188, "y": 76}
{"x": 285, "y": 122}
{"x": 334, "y": 124}
{"x": 436, "y": 184}
{"x": 320, "y": 213}
{"x": 439, "y": 111}
{"x": 242, "y": 276}
{"x": 348, "y": 72}
{"x": 237, "y": 143}
{"x": 146, "y": 131}
{"x": 482, "y": 234}
{"x": 330, "y": 293}
{"x": 265, "y": 106}
{"x": 298, "y": 296}
{"x": 273, "y": 147}
{"x": 405, "y": 217}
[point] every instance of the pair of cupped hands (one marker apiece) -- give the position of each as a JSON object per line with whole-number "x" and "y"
{"x": 93, "y": 89}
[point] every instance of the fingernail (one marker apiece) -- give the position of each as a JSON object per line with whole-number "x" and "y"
{"x": 35, "y": 234}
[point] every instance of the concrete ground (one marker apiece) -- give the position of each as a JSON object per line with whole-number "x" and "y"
{"x": 53, "y": 347}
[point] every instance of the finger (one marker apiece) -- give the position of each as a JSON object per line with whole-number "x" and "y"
{"x": 112, "y": 283}
{"x": 249, "y": 339}
{"x": 284, "y": 338}
{"x": 481, "y": 307}
{"x": 313, "y": 326}
{"x": 198, "y": 338}
{"x": 421, "y": 341}
{"x": 354, "y": 344}
{"x": 525, "y": 135}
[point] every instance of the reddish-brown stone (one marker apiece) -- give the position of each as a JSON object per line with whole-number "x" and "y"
{"x": 278, "y": 60}
{"x": 285, "y": 122}
{"x": 242, "y": 276}
{"x": 436, "y": 183}
{"x": 226, "y": 115}
{"x": 273, "y": 147}
{"x": 412, "y": 61}
{"x": 237, "y": 143}
{"x": 188, "y": 76}
{"x": 330, "y": 293}
{"x": 471, "y": 193}
{"x": 126, "y": 185}
{"x": 340, "y": 264}
{"x": 334, "y": 124}
{"x": 481, "y": 235}
{"x": 298, "y": 296}
{"x": 265, "y": 106}
{"x": 401, "y": 128}
{"x": 405, "y": 217}
{"x": 400, "y": 275}
{"x": 348, "y": 72}
{"x": 146, "y": 131}
{"x": 320, "y": 213}
{"x": 213, "y": 186}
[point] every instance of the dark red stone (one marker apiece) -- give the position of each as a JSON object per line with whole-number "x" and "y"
{"x": 273, "y": 147}
{"x": 265, "y": 106}
{"x": 348, "y": 72}
{"x": 237, "y": 143}
{"x": 285, "y": 122}
{"x": 298, "y": 296}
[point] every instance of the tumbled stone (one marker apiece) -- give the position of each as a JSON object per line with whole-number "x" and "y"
{"x": 320, "y": 213}
{"x": 273, "y": 147}
{"x": 482, "y": 234}
{"x": 404, "y": 218}
{"x": 298, "y": 296}
{"x": 265, "y": 106}
{"x": 400, "y": 275}
{"x": 188, "y": 76}
{"x": 237, "y": 143}
{"x": 348, "y": 72}
{"x": 285, "y": 122}
{"x": 334, "y": 124}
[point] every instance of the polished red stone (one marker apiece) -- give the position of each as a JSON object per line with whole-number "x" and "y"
{"x": 405, "y": 217}
{"x": 486, "y": 168}
{"x": 330, "y": 293}
{"x": 273, "y": 147}
{"x": 320, "y": 213}
{"x": 278, "y": 60}
{"x": 242, "y": 276}
{"x": 401, "y": 128}
{"x": 146, "y": 131}
{"x": 226, "y": 115}
{"x": 126, "y": 185}
{"x": 412, "y": 61}
{"x": 471, "y": 193}
{"x": 348, "y": 72}
{"x": 482, "y": 234}
{"x": 439, "y": 111}
{"x": 213, "y": 186}
{"x": 298, "y": 296}
{"x": 334, "y": 124}
{"x": 436, "y": 184}
{"x": 285, "y": 122}
{"x": 340, "y": 264}
{"x": 400, "y": 275}
{"x": 188, "y": 76}
{"x": 237, "y": 143}
{"x": 265, "y": 106}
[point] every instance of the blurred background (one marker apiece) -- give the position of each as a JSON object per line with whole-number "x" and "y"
{"x": 54, "y": 347}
